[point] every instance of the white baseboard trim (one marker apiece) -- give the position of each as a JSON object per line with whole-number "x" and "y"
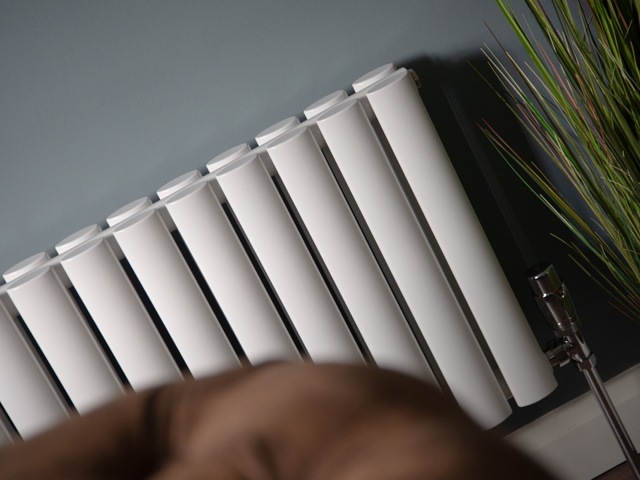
{"x": 575, "y": 440}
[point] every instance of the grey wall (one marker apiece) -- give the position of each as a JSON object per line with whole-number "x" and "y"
{"x": 103, "y": 102}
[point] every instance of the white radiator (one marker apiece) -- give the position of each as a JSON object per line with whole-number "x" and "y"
{"x": 313, "y": 245}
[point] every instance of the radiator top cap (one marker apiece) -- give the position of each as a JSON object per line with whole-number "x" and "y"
{"x": 128, "y": 210}
{"x": 25, "y": 266}
{"x": 77, "y": 238}
{"x": 178, "y": 183}
{"x": 277, "y": 129}
{"x": 325, "y": 103}
{"x": 373, "y": 76}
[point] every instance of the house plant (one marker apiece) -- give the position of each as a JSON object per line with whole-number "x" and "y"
{"x": 578, "y": 97}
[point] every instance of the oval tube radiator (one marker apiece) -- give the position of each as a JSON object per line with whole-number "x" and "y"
{"x": 307, "y": 247}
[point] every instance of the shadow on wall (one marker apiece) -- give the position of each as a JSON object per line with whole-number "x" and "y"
{"x": 517, "y": 224}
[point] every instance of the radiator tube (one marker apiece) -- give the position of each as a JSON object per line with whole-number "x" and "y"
{"x": 364, "y": 166}
{"x": 437, "y": 189}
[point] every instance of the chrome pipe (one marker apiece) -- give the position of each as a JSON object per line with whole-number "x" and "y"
{"x": 556, "y": 304}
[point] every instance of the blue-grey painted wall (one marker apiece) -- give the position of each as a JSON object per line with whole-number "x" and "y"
{"x": 103, "y": 102}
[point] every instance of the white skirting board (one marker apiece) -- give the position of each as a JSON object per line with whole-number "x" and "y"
{"x": 575, "y": 441}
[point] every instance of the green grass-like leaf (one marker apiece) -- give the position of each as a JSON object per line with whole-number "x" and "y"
{"x": 579, "y": 100}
